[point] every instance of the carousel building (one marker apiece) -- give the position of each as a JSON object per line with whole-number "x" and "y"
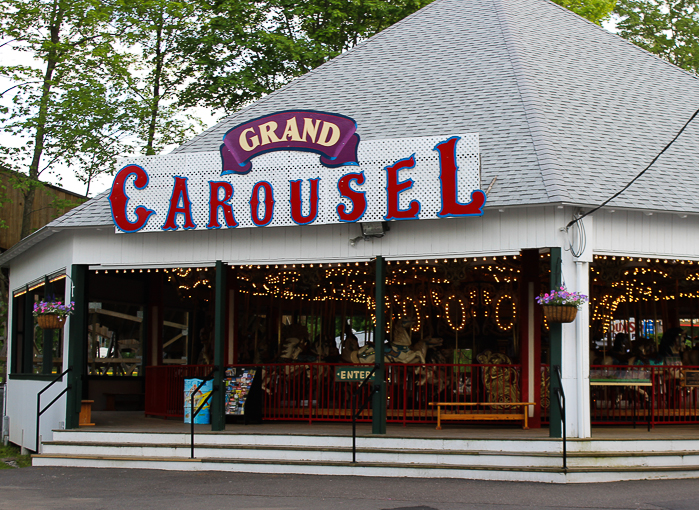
{"x": 440, "y": 168}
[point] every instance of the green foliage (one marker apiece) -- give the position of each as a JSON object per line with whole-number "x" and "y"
{"x": 152, "y": 32}
{"x": 242, "y": 50}
{"x": 596, "y": 11}
{"x": 667, "y": 28}
{"x": 12, "y": 453}
{"x": 65, "y": 105}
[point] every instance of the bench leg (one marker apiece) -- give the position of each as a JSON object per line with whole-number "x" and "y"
{"x": 85, "y": 418}
{"x": 526, "y": 418}
{"x": 439, "y": 418}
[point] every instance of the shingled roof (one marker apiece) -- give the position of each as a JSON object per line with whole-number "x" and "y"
{"x": 567, "y": 112}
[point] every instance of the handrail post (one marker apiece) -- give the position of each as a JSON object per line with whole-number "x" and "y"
{"x": 192, "y": 413}
{"x": 38, "y": 417}
{"x": 355, "y": 412}
{"x": 40, "y": 411}
{"x": 191, "y": 422}
{"x": 354, "y": 428}
{"x": 561, "y": 397}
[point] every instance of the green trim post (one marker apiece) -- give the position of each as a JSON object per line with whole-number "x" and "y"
{"x": 218, "y": 411}
{"x": 378, "y": 421}
{"x": 77, "y": 345}
{"x": 145, "y": 341}
{"x": 16, "y": 363}
{"x": 28, "y": 340}
{"x": 47, "y": 350}
{"x": 555, "y": 349}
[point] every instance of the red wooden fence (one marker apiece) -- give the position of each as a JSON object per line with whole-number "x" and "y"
{"x": 309, "y": 392}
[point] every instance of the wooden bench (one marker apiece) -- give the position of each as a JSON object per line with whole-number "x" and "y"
{"x": 493, "y": 415}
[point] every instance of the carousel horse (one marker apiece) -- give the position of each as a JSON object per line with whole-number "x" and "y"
{"x": 501, "y": 383}
{"x": 296, "y": 352}
{"x": 349, "y": 345}
{"x": 400, "y": 349}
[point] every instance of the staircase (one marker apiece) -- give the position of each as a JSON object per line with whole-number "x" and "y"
{"x": 534, "y": 460}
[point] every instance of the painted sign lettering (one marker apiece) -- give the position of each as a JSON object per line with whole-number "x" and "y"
{"x": 402, "y": 179}
{"x": 352, "y": 374}
{"x": 332, "y": 136}
{"x": 118, "y": 199}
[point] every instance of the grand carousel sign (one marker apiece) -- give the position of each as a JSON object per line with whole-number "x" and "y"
{"x": 309, "y": 168}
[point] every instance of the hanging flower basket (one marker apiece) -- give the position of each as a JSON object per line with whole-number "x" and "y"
{"x": 561, "y": 306}
{"x": 52, "y": 314}
{"x": 560, "y": 313}
{"x": 50, "y": 321}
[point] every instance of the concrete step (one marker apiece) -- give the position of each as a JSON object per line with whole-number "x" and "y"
{"x": 205, "y": 436}
{"x": 444, "y": 457}
{"x": 492, "y": 459}
{"x": 512, "y": 473}
{"x": 293, "y": 453}
{"x": 330, "y": 441}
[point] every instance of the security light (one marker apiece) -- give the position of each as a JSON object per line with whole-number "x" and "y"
{"x": 370, "y": 230}
{"x": 374, "y": 229}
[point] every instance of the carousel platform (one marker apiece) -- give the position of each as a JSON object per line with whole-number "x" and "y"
{"x": 126, "y": 440}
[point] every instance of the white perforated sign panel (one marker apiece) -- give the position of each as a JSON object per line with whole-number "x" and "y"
{"x": 281, "y": 167}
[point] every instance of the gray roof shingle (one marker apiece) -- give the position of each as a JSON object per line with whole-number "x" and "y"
{"x": 566, "y": 111}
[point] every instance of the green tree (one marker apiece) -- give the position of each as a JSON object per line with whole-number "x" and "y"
{"x": 65, "y": 108}
{"x": 242, "y": 50}
{"x": 152, "y": 32}
{"x": 667, "y": 28}
{"x": 596, "y": 11}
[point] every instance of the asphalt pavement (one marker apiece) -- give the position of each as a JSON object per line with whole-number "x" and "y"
{"x": 95, "y": 489}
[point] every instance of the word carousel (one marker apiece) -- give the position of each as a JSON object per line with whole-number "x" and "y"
{"x": 216, "y": 189}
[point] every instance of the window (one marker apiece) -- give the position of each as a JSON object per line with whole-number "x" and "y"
{"x": 36, "y": 351}
{"x": 115, "y": 339}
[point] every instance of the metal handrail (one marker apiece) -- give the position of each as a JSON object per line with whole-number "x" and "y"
{"x": 561, "y": 396}
{"x": 355, "y": 412}
{"x": 193, "y": 414}
{"x": 40, "y": 411}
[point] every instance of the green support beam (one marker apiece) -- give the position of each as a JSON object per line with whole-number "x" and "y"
{"x": 77, "y": 345}
{"x": 555, "y": 349}
{"x": 218, "y": 411}
{"x": 378, "y": 421}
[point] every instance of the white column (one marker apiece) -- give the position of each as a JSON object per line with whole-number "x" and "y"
{"x": 575, "y": 342}
{"x": 582, "y": 368}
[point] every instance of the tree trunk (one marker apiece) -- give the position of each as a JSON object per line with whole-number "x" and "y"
{"x": 51, "y": 62}
{"x": 155, "y": 105}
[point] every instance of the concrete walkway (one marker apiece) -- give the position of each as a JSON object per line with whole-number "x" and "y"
{"x": 90, "y": 489}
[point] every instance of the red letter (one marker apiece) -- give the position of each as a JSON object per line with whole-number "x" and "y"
{"x": 297, "y": 203}
{"x": 394, "y": 188}
{"x": 179, "y": 191}
{"x": 447, "y": 178}
{"x": 215, "y": 202}
{"x": 118, "y": 199}
{"x": 358, "y": 198}
{"x": 255, "y": 203}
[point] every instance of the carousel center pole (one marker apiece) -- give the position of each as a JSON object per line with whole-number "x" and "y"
{"x": 378, "y": 420}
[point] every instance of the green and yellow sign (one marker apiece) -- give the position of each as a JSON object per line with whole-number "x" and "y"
{"x": 352, "y": 374}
